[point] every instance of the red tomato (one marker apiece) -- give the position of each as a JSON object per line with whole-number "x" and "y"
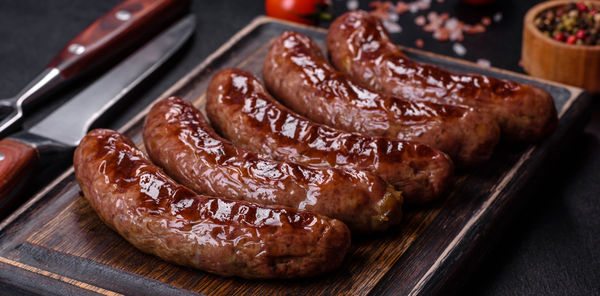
{"x": 300, "y": 11}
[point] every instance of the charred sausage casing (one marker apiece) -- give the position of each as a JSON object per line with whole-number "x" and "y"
{"x": 296, "y": 72}
{"x": 240, "y": 109}
{"x": 179, "y": 139}
{"x": 226, "y": 237}
{"x": 359, "y": 46}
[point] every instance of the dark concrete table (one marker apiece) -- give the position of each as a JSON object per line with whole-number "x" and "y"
{"x": 550, "y": 247}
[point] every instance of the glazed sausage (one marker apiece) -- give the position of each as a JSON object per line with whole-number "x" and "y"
{"x": 359, "y": 46}
{"x": 240, "y": 109}
{"x": 178, "y": 139}
{"x": 226, "y": 237}
{"x": 296, "y": 73}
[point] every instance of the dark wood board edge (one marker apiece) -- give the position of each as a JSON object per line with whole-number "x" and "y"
{"x": 60, "y": 271}
{"x": 470, "y": 243}
{"x": 135, "y": 122}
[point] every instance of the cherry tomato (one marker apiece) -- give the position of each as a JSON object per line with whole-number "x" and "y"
{"x": 301, "y": 11}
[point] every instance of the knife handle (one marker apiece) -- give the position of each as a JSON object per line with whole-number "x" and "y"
{"x": 17, "y": 160}
{"x": 125, "y": 26}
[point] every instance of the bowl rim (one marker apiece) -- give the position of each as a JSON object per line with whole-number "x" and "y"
{"x": 537, "y": 9}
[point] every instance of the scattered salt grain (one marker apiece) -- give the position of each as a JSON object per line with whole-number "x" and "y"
{"x": 352, "y": 4}
{"x": 479, "y": 28}
{"x": 456, "y": 35}
{"x": 420, "y": 21}
{"x": 401, "y": 7}
{"x": 419, "y": 43}
{"x": 459, "y": 49}
{"x": 392, "y": 27}
{"x": 441, "y": 34}
{"x": 484, "y": 62}
{"x": 497, "y": 17}
{"x": 486, "y": 20}
{"x": 451, "y": 24}
{"x": 413, "y": 8}
{"x": 432, "y": 16}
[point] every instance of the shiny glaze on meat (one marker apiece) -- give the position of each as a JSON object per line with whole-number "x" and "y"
{"x": 296, "y": 73}
{"x": 240, "y": 109}
{"x": 226, "y": 237}
{"x": 360, "y": 46}
{"x": 178, "y": 138}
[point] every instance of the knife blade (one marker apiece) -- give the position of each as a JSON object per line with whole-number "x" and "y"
{"x": 61, "y": 131}
{"x": 105, "y": 41}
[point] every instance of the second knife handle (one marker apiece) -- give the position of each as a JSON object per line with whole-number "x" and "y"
{"x": 17, "y": 160}
{"x": 125, "y": 26}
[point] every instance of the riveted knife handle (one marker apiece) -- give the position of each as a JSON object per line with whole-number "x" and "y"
{"x": 17, "y": 161}
{"x": 126, "y": 26}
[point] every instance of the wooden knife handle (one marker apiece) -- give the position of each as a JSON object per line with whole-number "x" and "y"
{"x": 17, "y": 160}
{"x": 127, "y": 25}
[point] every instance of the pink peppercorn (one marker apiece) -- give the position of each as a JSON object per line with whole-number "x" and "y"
{"x": 580, "y": 34}
{"x": 571, "y": 39}
{"x": 559, "y": 37}
{"x": 581, "y": 7}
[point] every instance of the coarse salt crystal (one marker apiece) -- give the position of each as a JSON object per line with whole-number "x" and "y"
{"x": 419, "y": 43}
{"x": 498, "y": 16}
{"x": 486, "y": 21}
{"x": 432, "y": 16}
{"x": 452, "y": 23}
{"x": 459, "y": 49}
{"x": 484, "y": 62}
{"x": 456, "y": 35}
{"x": 441, "y": 34}
{"x": 401, "y": 7}
{"x": 393, "y": 16}
{"x": 420, "y": 21}
{"x": 352, "y": 4}
{"x": 413, "y": 8}
{"x": 392, "y": 27}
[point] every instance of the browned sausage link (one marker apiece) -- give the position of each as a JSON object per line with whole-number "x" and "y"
{"x": 241, "y": 109}
{"x": 296, "y": 73}
{"x": 360, "y": 46}
{"x": 229, "y": 238}
{"x": 179, "y": 139}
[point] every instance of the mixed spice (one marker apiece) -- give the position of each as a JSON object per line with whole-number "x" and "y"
{"x": 575, "y": 23}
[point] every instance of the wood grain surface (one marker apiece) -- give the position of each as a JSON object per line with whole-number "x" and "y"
{"x": 56, "y": 244}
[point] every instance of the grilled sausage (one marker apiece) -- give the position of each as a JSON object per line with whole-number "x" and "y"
{"x": 229, "y": 238}
{"x": 178, "y": 139}
{"x": 296, "y": 73}
{"x": 240, "y": 109}
{"x": 359, "y": 46}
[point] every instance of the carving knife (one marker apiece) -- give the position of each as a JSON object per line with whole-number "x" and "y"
{"x": 111, "y": 36}
{"x": 61, "y": 131}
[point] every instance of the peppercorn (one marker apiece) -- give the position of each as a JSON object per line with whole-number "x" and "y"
{"x": 574, "y": 23}
{"x": 559, "y": 37}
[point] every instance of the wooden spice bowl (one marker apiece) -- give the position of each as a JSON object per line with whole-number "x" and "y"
{"x": 544, "y": 57}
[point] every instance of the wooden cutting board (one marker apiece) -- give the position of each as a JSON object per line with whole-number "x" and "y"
{"x": 55, "y": 244}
